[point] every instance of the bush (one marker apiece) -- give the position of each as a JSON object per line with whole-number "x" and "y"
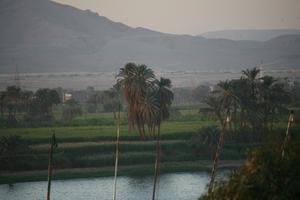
{"x": 205, "y": 140}
{"x": 267, "y": 175}
{"x": 72, "y": 109}
{"x": 13, "y": 152}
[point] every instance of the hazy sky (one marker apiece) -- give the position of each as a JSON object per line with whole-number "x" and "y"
{"x": 197, "y": 16}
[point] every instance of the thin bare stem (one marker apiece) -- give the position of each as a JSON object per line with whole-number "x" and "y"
{"x": 52, "y": 143}
{"x": 286, "y": 138}
{"x": 218, "y": 153}
{"x": 117, "y": 154}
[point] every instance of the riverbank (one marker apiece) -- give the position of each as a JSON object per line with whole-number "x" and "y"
{"x": 136, "y": 170}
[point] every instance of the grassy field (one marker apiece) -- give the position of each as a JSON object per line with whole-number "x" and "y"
{"x": 101, "y": 130}
{"x": 91, "y": 148}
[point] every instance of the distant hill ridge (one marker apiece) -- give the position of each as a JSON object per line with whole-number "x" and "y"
{"x": 44, "y": 36}
{"x": 257, "y": 35}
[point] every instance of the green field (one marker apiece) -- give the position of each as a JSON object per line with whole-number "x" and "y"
{"x": 91, "y": 148}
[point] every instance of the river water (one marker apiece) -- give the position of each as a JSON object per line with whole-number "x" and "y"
{"x": 175, "y": 186}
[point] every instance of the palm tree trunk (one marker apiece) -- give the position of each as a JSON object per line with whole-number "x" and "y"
{"x": 157, "y": 162}
{"x": 235, "y": 117}
{"x": 290, "y": 121}
{"x": 52, "y": 142}
{"x": 143, "y": 129}
{"x": 217, "y": 155}
{"x": 138, "y": 123}
{"x": 117, "y": 154}
{"x": 272, "y": 118}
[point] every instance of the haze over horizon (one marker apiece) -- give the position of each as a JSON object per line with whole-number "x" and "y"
{"x": 195, "y": 17}
{"x": 45, "y": 36}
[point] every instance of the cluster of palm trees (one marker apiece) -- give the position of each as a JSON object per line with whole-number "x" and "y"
{"x": 148, "y": 98}
{"x": 251, "y": 101}
{"x": 148, "y": 102}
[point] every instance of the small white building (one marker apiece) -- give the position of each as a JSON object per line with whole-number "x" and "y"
{"x": 67, "y": 96}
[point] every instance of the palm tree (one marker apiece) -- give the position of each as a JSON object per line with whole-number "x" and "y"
{"x": 150, "y": 110}
{"x": 50, "y": 163}
{"x": 117, "y": 122}
{"x": 214, "y": 103}
{"x": 222, "y": 105}
{"x": 251, "y": 75}
{"x": 165, "y": 97}
{"x": 266, "y": 98}
{"x": 286, "y": 138}
{"x": 226, "y": 120}
{"x": 148, "y": 102}
{"x": 252, "y": 82}
{"x": 134, "y": 80}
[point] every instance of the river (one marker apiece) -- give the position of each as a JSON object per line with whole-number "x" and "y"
{"x": 175, "y": 186}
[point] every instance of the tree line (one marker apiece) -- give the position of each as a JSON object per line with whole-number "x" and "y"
{"x": 36, "y": 105}
{"x": 24, "y": 107}
{"x": 251, "y": 102}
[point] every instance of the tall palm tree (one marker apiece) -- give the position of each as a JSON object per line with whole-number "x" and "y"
{"x": 165, "y": 97}
{"x": 214, "y": 103}
{"x": 252, "y": 108}
{"x": 117, "y": 122}
{"x": 286, "y": 138}
{"x": 134, "y": 80}
{"x": 52, "y": 145}
{"x": 266, "y": 98}
{"x": 150, "y": 109}
{"x": 148, "y": 102}
{"x": 223, "y": 104}
{"x": 225, "y": 121}
{"x": 252, "y": 76}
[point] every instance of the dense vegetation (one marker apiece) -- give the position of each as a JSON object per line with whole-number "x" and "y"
{"x": 266, "y": 175}
{"x": 148, "y": 98}
{"x": 85, "y": 130}
{"x": 252, "y": 103}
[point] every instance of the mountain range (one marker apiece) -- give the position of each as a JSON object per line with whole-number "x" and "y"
{"x": 257, "y": 35}
{"x": 43, "y": 36}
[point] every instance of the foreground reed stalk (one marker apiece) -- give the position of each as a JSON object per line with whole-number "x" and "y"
{"x": 157, "y": 162}
{"x": 117, "y": 155}
{"x": 52, "y": 143}
{"x": 286, "y": 138}
{"x": 218, "y": 153}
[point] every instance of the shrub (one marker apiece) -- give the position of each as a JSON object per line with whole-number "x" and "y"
{"x": 267, "y": 175}
{"x": 13, "y": 150}
{"x": 205, "y": 140}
